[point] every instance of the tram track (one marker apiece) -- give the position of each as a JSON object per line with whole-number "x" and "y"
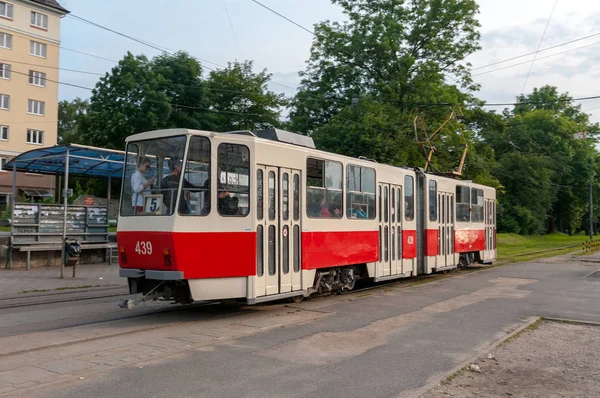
{"x": 59, "y": 297}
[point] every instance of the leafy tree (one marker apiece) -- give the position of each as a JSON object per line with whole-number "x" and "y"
{"x": 126, "y": 101}
{"x": 368, "y": 78}
{"x": 240, "y": 99}
{"x": 70, "y": 114}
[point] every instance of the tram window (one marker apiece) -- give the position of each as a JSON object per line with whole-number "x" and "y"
{"x": 324, "y": 190}
{"x": 233, "y": 186}
{"x": 272, "y": 254}
{"x": 477, "y": 205}
{"x": 399, "y": 205}
{"x": 360, "y": 194}
{"x": 380, "y": 206}
{"x": 285, "y": 241}
{"x": 296, "y": 197}
{"x": 409, "y": 198}
{"x": 143, "y": 165}
{"x": 386, "y": 206}
{"x": 463, "y": 203}
{"x": 259, "y": 195}
{"x": 432, "y": 201}
{"x": 285, "y": 206}
{"x": 271, "y": 195}
{"x": 393, "y": 203}
{"x": 296, "y": 248}
{"x": 260, "y": 267}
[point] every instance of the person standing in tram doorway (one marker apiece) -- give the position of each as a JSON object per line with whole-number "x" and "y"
{"x": 140, "y": 186}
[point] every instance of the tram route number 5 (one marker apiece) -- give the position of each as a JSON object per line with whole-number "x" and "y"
{"x": 143, "y": 248}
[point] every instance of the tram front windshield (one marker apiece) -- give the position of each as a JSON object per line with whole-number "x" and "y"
{"x": 155, "y": 175}
{"x": 152, "y": 171}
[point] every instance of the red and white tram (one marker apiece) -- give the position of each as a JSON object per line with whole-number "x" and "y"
{"x": 264, "y": 216}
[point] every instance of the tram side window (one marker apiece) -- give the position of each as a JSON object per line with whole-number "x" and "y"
{"x": 409, "y": 198}
{"x": 432, "y": 201}
{"x": 324, "y": 190}
{"x": 477, "y": 205}
{"x": 463, "y": 204}
{"x": 233, "y": 186}
{"x": 195, "y": 194}
{"x": 360, "y": 194}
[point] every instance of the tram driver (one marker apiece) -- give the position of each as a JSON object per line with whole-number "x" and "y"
{"x": 171, "y": 183}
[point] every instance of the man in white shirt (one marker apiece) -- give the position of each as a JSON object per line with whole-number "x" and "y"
{"x": 140, "y": 186}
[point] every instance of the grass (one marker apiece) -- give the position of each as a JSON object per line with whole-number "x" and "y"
{"x": 513, "y": 245}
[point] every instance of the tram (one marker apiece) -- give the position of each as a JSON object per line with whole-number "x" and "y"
{"x": 264, "y": 215}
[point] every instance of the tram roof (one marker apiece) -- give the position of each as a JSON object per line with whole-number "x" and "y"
{"x": 84, "y": 161}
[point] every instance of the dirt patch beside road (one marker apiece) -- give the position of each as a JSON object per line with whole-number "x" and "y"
{"x": 550, "y": 359}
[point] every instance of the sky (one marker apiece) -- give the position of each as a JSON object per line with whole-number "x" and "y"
{"x": 220, "y": 31}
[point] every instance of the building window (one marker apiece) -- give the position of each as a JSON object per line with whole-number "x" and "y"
{"x": 5, "y": 71}
{"x": 6, "y": 10}
{"x": 35, "y": 137}
{"x": 36, "y": 107}
{"x": 37, "y": 78}
{"x": 3, "y": 162}
{"x": 39, "y": 20}
{"x": 4, "y": 133}
{"x": 5, "y": 40}
{"x": 360, "y": 197}
{"x": 324, "y": 188}
{"x": 37, "y": 49}
{"x": 4, "y": 101}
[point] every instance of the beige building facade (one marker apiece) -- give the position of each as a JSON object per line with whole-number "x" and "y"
{"x": 29, "y": 61}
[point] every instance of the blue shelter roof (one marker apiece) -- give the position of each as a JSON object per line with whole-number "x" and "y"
{"x": 84, "y": 161}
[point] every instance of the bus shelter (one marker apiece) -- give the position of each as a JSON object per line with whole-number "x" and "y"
{"x": 41, "y": 226}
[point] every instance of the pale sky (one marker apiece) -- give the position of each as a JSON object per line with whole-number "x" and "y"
{"x": 201, "y": 27}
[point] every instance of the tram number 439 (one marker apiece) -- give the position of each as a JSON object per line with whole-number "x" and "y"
{"x": 143, "y": 248}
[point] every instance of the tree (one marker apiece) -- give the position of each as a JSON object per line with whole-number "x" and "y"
{"x": 545, "y": 171}
{"x": 368, "y": 78}
{"x": 240, "y": 99}
{"x": 127, "y": 101}
{"x": 70, "y": 114}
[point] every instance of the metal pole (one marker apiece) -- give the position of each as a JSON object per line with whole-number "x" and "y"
{"x": 65, "y": 197}
{"x": 591, "y": 206}
{"x": 12, "y": 213}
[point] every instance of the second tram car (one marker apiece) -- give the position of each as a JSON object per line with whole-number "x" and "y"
{"x": 264, "y": 216}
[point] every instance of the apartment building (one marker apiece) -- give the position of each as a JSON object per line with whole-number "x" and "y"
{"x": 29, "y": 61}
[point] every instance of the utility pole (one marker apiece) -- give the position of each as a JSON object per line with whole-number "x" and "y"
{"x": 581, "y": 136}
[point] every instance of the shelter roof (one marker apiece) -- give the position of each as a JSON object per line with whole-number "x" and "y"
{"x": 84, "y": 161}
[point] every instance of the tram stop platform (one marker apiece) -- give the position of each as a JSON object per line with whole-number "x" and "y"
{"x": 15, "y": 282}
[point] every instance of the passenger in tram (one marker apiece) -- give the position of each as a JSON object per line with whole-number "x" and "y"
{"x": 171, "y": 183}
{"x": 324, "y": 210}
{"x": 357, "y": 212}
{"x": 140, "y": 186}
{"x": 226, "y": 204}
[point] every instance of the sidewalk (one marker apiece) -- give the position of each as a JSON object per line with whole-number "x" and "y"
{"x": 18, "y": 281}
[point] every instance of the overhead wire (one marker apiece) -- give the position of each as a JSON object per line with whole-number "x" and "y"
{"x": 539, "y": 45}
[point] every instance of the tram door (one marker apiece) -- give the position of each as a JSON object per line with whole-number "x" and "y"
{"x": 446, "y": 230}
{"x": 390, "y": 230}
{"x": 490, "y": 227}
{"x": 278, "y": 230}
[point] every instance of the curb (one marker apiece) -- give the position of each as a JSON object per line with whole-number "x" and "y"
{"x": 430, "y": 385}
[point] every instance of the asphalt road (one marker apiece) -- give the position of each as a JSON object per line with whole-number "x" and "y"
{"x": 387, "y": 343}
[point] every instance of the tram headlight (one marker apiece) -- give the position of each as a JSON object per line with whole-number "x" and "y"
{"x": 167, "y": 257}
{"x": 123, "y": 254}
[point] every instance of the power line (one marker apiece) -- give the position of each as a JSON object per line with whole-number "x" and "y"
{"x": 232, "y": 28}
{"x": 284, "y": 17}
{"x": 533, "y": 52}
{"x": 539, "y": 59}
{"x": 539, "y": 46}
